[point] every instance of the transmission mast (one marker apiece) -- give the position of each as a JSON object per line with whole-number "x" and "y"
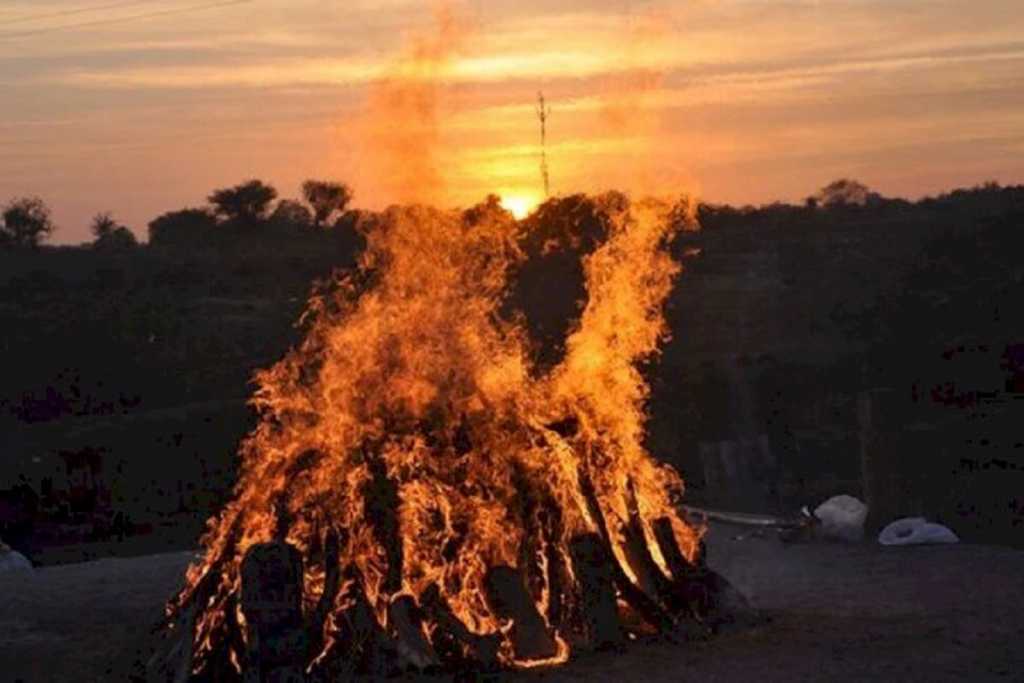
{"x": 543, "y": 111}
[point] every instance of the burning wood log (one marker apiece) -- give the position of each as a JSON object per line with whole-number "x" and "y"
{"x": 666, "y": 539}
{"x": 332, "y": 584}
{"x": 638, "y": 556}
{"x": 171, "y": 660}
{"x": 539, "y": 556}
{"x": 406, "y": 626}
{"x": 381, "y": 504}
{"x": 599, "y": 614}
{"x": 708, "y": 596}
{"x": 458, "y": 647}
{"x": 272, "y": 604}
{"x": 367, "y": 647}
{"x": 359, "y": 646}
{"x": 639, "y": 601}
{"x": 508, "y": 599}
{"x": 172, "y": 655}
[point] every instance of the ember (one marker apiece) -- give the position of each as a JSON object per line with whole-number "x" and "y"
{"x": 436, "y": 494}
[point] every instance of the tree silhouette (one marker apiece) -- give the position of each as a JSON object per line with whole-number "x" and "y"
{"x": 109, "y": 234}
{"x": 245, "y": 203}
{"x": 489, "y": 209}
{"x": 103, "y": 224}
{"x": 291, "y": 216}
{"x": 326, "y": 198}
{"x": 844, "y": 192}
{"x": 26, "y": 223}
{"x": 184, "y": 228}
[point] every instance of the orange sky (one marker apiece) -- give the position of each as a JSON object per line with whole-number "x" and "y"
{"x": 143, "y": 107}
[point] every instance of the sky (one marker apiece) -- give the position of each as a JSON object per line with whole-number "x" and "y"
{"x": 141, "y": 107}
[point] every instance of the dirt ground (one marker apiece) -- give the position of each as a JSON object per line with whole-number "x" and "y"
{"x": 833, "y": 613}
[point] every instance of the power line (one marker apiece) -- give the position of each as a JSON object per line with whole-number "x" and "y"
{"x": 121, "y": 20}
{"x": 72, "y": 12}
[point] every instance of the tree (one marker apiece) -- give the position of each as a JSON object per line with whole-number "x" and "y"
{"x": 245, "y": 203}
{"x": 291, "y": 216}
{"x": 845, "y": 192}
{"x": 489, "y": 210}
{"x": 184, "y": 228}
{"x": 326, "y": 198}
{"x": 109, "y": 234}
{"x": 26, "y": 223}
{"x": 103, "y": 224}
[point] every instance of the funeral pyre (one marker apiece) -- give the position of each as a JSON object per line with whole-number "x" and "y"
{"x": 428, "y": 495}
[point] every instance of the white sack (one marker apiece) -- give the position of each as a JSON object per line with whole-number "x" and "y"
{"x": 842, "y": 518}
{"x": 916, "y": 531}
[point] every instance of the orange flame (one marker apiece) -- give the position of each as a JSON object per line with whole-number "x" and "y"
{"x": 410, "y": 375}
{"x": 400, "y": 128}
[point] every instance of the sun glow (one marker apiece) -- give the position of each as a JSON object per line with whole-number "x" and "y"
{"x": 519, "y": 205}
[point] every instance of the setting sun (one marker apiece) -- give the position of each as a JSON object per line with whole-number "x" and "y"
{"x": 519, "y": 206}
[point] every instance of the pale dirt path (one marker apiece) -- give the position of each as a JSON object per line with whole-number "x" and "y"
{"x": 838, "y": 613}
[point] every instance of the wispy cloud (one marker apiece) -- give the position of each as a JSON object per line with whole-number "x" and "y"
{"x": 739, "y": 94}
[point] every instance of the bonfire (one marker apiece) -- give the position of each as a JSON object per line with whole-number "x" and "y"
{"x": 426, "y": 495}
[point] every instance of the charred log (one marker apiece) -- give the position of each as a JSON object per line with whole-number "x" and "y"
{"x": 382, "y": 504}
{"x": 508, "y": 598}
{"x": 666, "y": 539}
{"x": 637, "y": 553}
{"x": 171, "y": 658}
{"x": 707, "y": 595}
{"x": 271, "y": 601}
{"x": 332, "y": 584}
{"x": 367, "y": 648}
{"x": 598, "y": 618}
{"x": 539, "y": 558}
{"x": 359, "y": 646}
{"x": 639, "y": 601}
{"x": 558, "y": 579}
{"x": 406, "y": 626}
{"x": 457, "y": 646}
{"x": 230, "y": 659}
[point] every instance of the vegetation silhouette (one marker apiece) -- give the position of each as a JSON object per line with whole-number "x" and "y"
{"x": 110, "y": 235}
{"x": 247, "y": 203}
{"x": 844, "y": 192}
{"x": 326, "y": 198}
{"x": 185, "y": 228}
{"x": 26, "y": 223}
{"x": 144, "y": 353}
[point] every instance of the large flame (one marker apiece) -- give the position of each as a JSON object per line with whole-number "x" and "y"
{"x": 412, "y": 417}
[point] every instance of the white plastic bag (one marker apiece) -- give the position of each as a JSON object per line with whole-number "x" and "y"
{"x": 916, "y": 531}
{"x": 842, "y": 518}
{"x": 11, "y": 561}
